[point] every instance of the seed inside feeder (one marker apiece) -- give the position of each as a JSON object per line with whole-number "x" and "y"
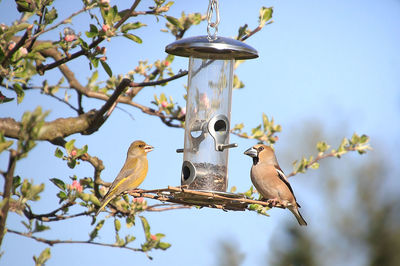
{"x": 210, "y": 177}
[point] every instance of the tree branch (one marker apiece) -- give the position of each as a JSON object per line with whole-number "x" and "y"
{"x": 9, "y": 177}
{"x": 100, "y": 118}
{"x": 54, "y": 131}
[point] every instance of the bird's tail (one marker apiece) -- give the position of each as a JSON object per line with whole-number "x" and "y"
{"x": 298, "y": 216}
{"x": 104, "y": 203}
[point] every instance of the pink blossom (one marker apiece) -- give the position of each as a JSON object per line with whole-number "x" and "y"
{"x": 105, "y": 27}
{"x": 11, "y": 45}
{"x": 73, "y": 152}
{"x": 101, "y": 50}
{"x": 105, "y": 2}
{"x": 138, "y": 200}
{"x": 183, "y": 111}
{"x": 76, "y": 186}
{"x": 164, "y": 104}
{"x": 23, "y": 51}
{"x": 70, "y": 37}
{"x": 153, "y": 237}
{"x": 104, "y": 58}
{"x": 166, "y": 63}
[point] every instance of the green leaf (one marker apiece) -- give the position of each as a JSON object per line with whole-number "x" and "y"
{"x": 11, "y": 31}
{"x": 364, "y": 139}
{"x": 90, "y": 34}
{"x": 50, "y": 16}
{"x": 94, "y": 200}
{"x": 95, "y": 62}
{"x": 265, "y": 121}
{"x": 175, "y": 22}
{"x": 163, "y": 245}
{"x": 146, "y": 227}
{"x": 322, "y": 146}
{"x": 94, "y": 77}
{"x": 117, "y": 225}
{"x": 69, "y": 146}
{"x": 39, "y": 227}
{"x": 265, "y": 15}
{"x": 314, "y": 165}
{"x": 131, "y": 26}
{"x": 93, "y": 29}
{"x": 133, "y": 37}
{"x": 59, "y": 183}
{"x": 19, "y": 91}
{"x": 42, "y": 46}
{"x": 106, "y": 68}
{"x": 30, "y": 191}
{"x": 84, "y": 196}
{"x": 129, "y": 238}
{"x": 82, "y": 151}
{"x": 62, "y": 196}
{"x": 5, "y": 145}
{"x": 169, "y": 4}
{"x": 71, "y": 163}
{"x": 96, "y": 230}
{"x": 58, "y": 153}
{"x": 43, "y": 257}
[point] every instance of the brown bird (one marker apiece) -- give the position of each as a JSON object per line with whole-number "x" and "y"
{"x": 270, "y": 181}
{"x": 132, "y": 173}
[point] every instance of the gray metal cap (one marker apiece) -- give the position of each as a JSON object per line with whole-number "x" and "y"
{"x": 221, "y": 48}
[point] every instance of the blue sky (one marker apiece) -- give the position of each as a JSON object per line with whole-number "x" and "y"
{"x": 335, "y": 63}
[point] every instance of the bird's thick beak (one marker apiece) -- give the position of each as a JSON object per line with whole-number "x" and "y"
{"x": 251, "y": 152}
{"x": 148, "y": 148}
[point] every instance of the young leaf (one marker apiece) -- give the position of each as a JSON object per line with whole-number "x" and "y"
{"x": 146, "y": 227}
{"x": 69, "y": 145}
{"x": 59, "y": 183}
{"x": 58, "y": 153}
{"x": 20, "y": 92}
{"x": 131, "y": 26}
{"x": 133, "y": 37}
{"x": 106, "y": 68}
{"x": 175, "y": 22}
{"x": 43, "y": 257}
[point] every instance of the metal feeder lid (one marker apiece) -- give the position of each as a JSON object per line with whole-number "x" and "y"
{"x": 220, "y": 48}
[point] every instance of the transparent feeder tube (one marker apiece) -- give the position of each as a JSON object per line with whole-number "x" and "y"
{"x": 207, "y": 124}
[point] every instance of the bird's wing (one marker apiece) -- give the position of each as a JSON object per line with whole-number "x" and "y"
{"x": 286, "y": 181}
{"x": 123, "y": 175}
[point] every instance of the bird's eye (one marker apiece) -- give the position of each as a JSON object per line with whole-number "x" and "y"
{"x": 260, "y": 148}
{"x": 141, "y": 145}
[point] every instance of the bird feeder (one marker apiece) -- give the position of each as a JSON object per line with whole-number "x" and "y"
{"x": 208, "y": 104}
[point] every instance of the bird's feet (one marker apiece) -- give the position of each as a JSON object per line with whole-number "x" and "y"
{"x": 273, "y": 202}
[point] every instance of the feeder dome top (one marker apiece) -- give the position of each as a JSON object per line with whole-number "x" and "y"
{"x": 220, "y": 48}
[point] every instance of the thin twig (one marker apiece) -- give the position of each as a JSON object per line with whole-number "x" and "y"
{"x": 181, "y": 73}
{"x": 65, "y": 21}
{"x": 54, "y": 242}
{"x": 64, "y": 101}
{"x": 320, "y": 157}
{"x": 43, "y": 68}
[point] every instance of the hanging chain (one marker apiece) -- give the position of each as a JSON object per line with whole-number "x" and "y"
{"x": 212, "y": 6}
